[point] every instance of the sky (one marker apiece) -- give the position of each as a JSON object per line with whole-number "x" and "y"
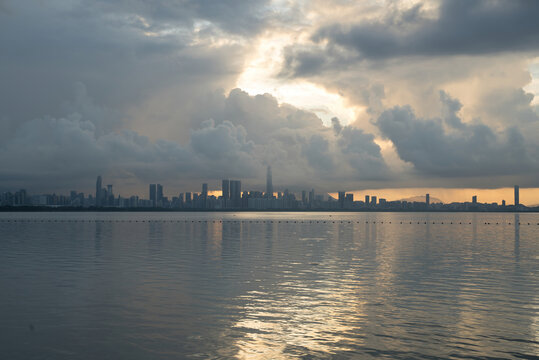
{"x": 334, "y": 95}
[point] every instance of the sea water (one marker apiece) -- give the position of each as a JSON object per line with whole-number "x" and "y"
{"x": 268, "y": 285}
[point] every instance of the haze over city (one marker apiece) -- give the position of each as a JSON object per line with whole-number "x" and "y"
{"x": 399, "y": 97}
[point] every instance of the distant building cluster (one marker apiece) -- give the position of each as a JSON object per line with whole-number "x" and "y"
{"x": 233, "y": 198}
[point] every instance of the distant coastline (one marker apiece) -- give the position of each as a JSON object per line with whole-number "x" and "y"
{"x": 152, "y": 209}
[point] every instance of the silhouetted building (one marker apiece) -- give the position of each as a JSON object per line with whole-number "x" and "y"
{"x": 204, "y": 195}
{"x": 474, "y": 199}
{"x": 98, "y": 196}
{"x": 205, "y": 190}
{"x": 159, "y": 195}
{"x": 311, "y": 197}
{"x": 341, "y": 199}
{"x": 153, "y": 194}
{"x": 225, "y": 188}
{"x": 235, "y": 193}
{"x": 367, "y": 199}
{"x": 373, "y": 200}
{"x": 517, "y": 200}
{"x": 427, "y": 200}
{"x": 269, "y": 183}
{"x": 348, "y": 200}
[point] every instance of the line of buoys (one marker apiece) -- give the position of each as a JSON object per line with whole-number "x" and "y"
{"x": 249, "y": 221}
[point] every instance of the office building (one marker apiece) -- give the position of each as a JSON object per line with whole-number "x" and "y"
{"x": 204, "y": 190}
{"x": 517, "y": 200}
{"x": 373, "y": 200}
{"x": 98, "y": 191}
{"x": 348, "y": 200}
{"x": 204, "y": 195}
{"x": 341, "y": 199}
{"x": 159, "y": 195}
{"x": 269, "y": 183}
{"x": 367, "y": 199}
{"x": 225, "y": 188}
{"x": 153, "y": 192}
{"x": 235, "y": 193}
{"x": 427, "y": 200}
{"x": 474, "y": 199}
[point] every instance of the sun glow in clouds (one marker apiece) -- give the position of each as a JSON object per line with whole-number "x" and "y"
{"x": 261, "y": 76}
{"x": 533, "y": 86}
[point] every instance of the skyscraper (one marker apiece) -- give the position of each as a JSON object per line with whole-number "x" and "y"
{"x": 153, "y": 192}
{"x": 341, "y": 199}
{"x": 517, "y": 200}
{"x": 367, "y": 199}
{"x": 205, "y": 190}
{"x": 159, "y": 195}
{"x": 98, "y": 191}
{"x": 204, "y": 195}
{"x": 474, "y": 199}
{"x": 269, "y": 183}
{"x": 427, "y": 200}
{"x": 109, "y": 201}
{"x": 225, "y": 188}
{"x": 235, "y": 192}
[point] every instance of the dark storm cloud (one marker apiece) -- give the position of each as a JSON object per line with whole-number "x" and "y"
{"x": 448, "y": 147}
{"x": 462, "y": 27}
{"x": 46, "y": 47}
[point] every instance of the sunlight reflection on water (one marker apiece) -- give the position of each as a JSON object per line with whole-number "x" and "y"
{"x": 269, "y": 285}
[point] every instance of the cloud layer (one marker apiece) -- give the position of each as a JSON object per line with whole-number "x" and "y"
{"x": 141, "y": 92}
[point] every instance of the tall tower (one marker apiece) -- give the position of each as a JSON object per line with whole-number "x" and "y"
{"x": 204, "y": 195}
{"x": 517, "y": 201}
{"x": 427, "y": 200}
{"x": 269, "y": 183}
{"x": 225, "y": 188}
{"x": 153, "y": 193}
{"x": 98, "y": 191}
{"x": 159, "y": 195}
{"x": 204, "y": 190}
{"x": 235, "y": 192}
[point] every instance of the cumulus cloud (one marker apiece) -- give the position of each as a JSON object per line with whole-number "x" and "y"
{"x": 148, "y": 102}
{"x": 248, "y": 133}
{"x": 49, "y": 46}
{"x": 447, "y": 147}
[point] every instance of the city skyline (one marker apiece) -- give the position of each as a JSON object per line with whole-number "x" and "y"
{"x": 231, "y": 197}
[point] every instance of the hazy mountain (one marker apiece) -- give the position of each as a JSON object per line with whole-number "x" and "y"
{"x": 421, "y": 198}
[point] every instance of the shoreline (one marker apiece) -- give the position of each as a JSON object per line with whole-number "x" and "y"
{"x": 18, "y": 209}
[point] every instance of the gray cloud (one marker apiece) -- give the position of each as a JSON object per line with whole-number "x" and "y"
{"x": 447, "y": 147}
{"x": 252, "y": 131}
{"x": 234, "y": 16}
{"x": 462, "y": 27}
{"x": 46, "y": 47}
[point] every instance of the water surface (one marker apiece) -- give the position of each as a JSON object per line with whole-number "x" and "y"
{"x": 269, "y": 285}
